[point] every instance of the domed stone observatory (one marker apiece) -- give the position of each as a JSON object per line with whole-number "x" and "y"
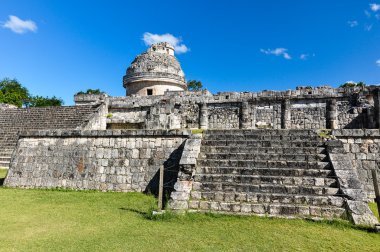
{"x": 155, "y": 71}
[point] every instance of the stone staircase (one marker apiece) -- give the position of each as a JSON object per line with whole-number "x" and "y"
{"x": 14, "y": 120}
{"x": 265, "y": 172}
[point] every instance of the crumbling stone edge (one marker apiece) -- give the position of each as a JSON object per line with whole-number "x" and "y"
{"x": 102, "y": 133}
{"x": 356, "y": 201}
{"x": 179, "y": 199}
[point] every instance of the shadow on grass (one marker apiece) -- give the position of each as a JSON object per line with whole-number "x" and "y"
{"x": 342, "y": 224}
{"x": 2, "y": 181}
{"x": 152, "y": 214}
{"x": 169, "y": 215}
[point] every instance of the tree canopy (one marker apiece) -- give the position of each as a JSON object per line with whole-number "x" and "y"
{"x": 90, "y": 91}
{"x": 12, "y": 92}
{"x": 194, "y": 85}
{"x": 353, "y": 84}
{"x": 40, "y": 101}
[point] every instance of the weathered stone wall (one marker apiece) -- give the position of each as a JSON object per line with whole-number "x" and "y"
{"x": 114, "y": 160}
{"x": 303, "y": 108}
{"x": 13, "y": 120}
{"x": 350, "y": 117}
{"x": 267, "y": 115}
{"x": 98, "y": 120}
{"x": 363, "y": 149}
{"x": 308, "y": 114}
{"x": 224, "y": 115}
{"x": 4, "y": 106}
{"x": 157, "y": 87}
{"x": 350, "y": 187}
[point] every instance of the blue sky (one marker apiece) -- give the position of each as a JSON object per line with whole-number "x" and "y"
{"x": 56, "y": 47}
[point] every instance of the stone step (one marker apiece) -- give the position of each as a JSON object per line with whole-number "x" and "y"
{"x": 283, "y": 132}
{"x": 4, "y": 164}
{"x": 253, "y": 143}
{"x": 271, "y": 157}
{"x": 264, "y": 188}
{"x": 3, "y": 155}
{"x": 5, "y": 159}
{"x": 259, "y": 163}
{"x": 6, "y": 150}
{"x": 257, "y": 179}
{"x": 259, "y": 137}
{"x": 262, "y": 150}
{"x": 312, "y": 200}
{"x": 289, "y": 172}
{"x": 268, "y": 209}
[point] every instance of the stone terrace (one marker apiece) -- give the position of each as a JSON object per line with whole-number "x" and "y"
{"x": 13, "y": 120}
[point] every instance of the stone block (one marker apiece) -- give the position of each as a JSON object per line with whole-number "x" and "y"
{"x": 196, "y": 195}
{"x": 214, "y": 206}
{"x": 246, "y": 208}
{"x": 180, "y": 205}
{"x": 235, "y": 207}
{"x": 193, "y": 204}
{"x": 258, "y": 209}
{"x": 360, "y": 213}
{"x": 204, "y": 205}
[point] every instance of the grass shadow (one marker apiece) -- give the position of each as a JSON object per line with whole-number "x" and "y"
{"x": 152, "y": 214}
{"x": 3, "y": 174}
{"x": 342, "y": 224}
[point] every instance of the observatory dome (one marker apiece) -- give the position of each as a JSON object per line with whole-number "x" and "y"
{"x": 155, "y": 71}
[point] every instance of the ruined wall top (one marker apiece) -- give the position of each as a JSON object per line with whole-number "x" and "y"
{"x": 300, "y": 93}
{"x": 162, "y": 47}
{"x": 4, "y": 106}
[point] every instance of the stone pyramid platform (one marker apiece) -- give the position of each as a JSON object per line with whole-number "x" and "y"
{"x": 265, "y": 172}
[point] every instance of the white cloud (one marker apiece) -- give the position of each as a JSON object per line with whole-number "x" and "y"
{"x": 374, "y": 7}
{"x": 378, "y": 62}
{"x": 306, "y": 56}
{"x": 278, "y": 52}
{"x": 353, "y": 23}
{"x": 20, "y": 26}
{"x": 368, "y": 27}
{"x": 150, "y": 39}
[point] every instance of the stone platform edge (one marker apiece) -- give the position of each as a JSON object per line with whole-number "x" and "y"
{"x": 356, "y": 133}
{"x": 103, "y": 133}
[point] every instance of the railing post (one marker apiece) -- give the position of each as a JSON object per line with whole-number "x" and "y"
{"x": 332, "y": 122}
{"x": 161, "y": 188}
{"x": 244, "y": 116}
{"x": 377, "y": 192}
{"x": 285, "y": 114}
{"x": 203, "y": 116}
{"x": 376, "y": 99}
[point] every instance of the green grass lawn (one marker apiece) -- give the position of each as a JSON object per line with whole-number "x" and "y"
{"x": 3, "y": 173}
{"x": 42, "y": 220}
{"x": 373, "y": 207}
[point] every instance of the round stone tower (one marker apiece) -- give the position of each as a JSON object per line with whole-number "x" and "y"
{"x": 155, "y": 71}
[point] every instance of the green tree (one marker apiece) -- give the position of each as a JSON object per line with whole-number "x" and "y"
{"x": 40, "y": 101}
{"x": 194, "y": 85}
{"x": 90, "y": 91}
{"x": 353, "y": 84}
{"x": 12, "y": 92}
{"x": 360, "y": 84}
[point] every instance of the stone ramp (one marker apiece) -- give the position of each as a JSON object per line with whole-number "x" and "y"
{"x": 14, "y": 120}
{"x": 265, "y": 172}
